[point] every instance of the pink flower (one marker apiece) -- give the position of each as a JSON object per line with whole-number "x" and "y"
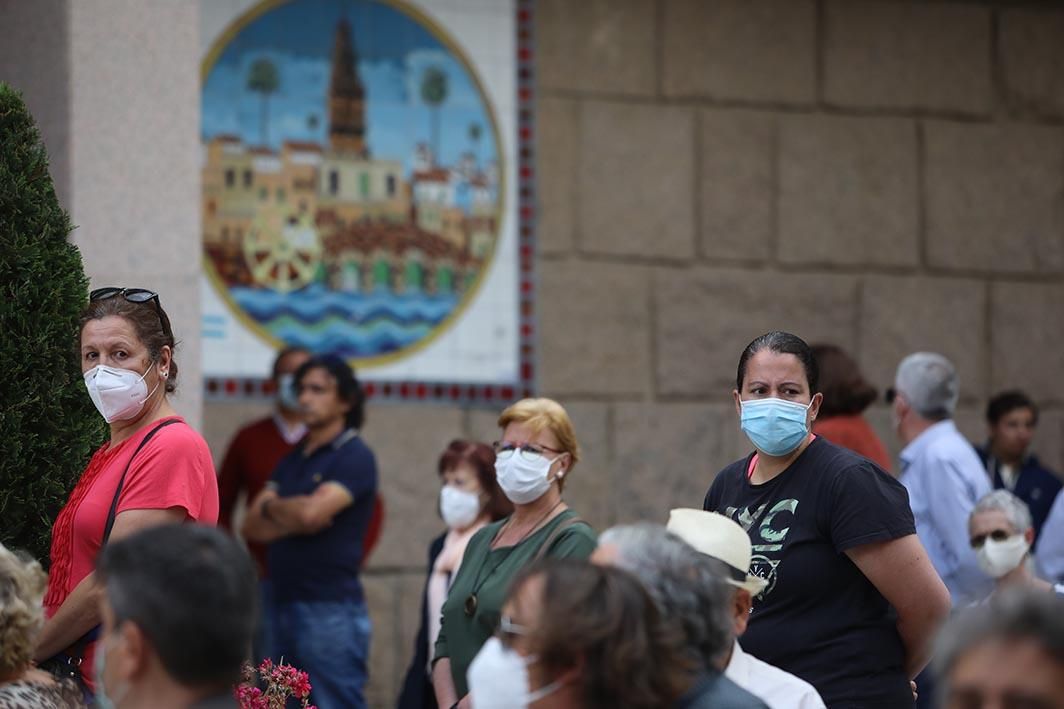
{"x": 301, "y": 685}
{"x": 281, "y": 681}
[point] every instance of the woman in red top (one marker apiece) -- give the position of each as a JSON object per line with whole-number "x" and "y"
{"x": 846, "y": 395}
{"x": 127, "y": 358}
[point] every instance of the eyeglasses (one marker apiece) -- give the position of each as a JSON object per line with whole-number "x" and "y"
{"x": 135, "y": 295}
{"x": 998, "y": 535}
{"x": 529, "y": 451}
{"x": 889, "y": 394}
{"x": 508, "y": 630}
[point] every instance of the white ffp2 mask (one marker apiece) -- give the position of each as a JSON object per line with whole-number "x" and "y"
{"x": 498, "y": 679}
{"x": 119, "y": 394}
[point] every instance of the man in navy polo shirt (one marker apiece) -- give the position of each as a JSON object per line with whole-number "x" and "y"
{"x": 313, "y": 514}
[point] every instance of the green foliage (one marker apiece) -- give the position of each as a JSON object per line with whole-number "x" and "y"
{"x": 264, "y": 78}
{"x": 48, "y": 425}
{"x": 434, "y": 86}
{"x": 434, "y": 93}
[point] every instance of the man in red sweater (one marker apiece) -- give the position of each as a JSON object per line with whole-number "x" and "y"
{"x": 252, "y": 455}
{"x": 259, "y": 446}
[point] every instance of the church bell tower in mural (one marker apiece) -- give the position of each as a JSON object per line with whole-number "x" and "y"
{"x": 347, "y": 96}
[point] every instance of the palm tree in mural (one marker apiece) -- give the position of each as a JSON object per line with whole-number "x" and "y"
{"x": 434, "y": 93}
{"x": 264, "y": 79}
{"x": 475, "y": 132}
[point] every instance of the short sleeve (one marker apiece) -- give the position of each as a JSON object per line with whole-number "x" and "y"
{"x": 714, "y": 497}
{"x": 355, "y": 469}
{"x": 576, "y": 542}
{"x": 174, "y": 469}
{"x": 867, "y": 505}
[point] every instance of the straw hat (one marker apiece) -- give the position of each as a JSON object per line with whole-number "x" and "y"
{"x": 716, "y": 536}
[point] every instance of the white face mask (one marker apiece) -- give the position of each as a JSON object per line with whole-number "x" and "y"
{"x": 458, "y": 507}
{"x": 524, "y": 480}
{"x": 998, "y": 558}
{"x": 119, "y": 394}
{"x": 498, "y": 679}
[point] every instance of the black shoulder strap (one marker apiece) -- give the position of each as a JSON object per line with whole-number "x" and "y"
{"x": 555, "y": 534}
{"x": 121, "y": 481}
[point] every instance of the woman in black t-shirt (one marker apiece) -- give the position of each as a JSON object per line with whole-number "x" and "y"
{"x": 852, "y": 600}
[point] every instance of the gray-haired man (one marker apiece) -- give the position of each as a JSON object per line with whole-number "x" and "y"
{"x": 939, "y": 469}
{"x": 720, "y": 539}
{"x": 689, "y": 589}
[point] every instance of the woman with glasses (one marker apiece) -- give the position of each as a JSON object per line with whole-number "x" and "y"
{"x": 154, "y": 469}
{"x": 576, "y": 635}
{"x": 533, "y": 460}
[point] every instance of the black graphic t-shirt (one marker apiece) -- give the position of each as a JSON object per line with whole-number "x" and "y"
{"x": 819, "y": 617}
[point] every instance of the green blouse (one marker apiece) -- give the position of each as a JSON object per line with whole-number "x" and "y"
{"x": 488, "y": 572}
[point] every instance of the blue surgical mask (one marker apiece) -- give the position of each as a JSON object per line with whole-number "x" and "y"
{"x": 103, "y": 700}
{"x": 775, "y": 426}
{"x": 287, "y": 395}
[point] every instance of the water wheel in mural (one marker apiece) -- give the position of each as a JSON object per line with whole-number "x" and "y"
{"x": 282, "y": 252}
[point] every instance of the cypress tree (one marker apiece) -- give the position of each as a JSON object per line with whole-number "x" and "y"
{"x": 48, "y": 425}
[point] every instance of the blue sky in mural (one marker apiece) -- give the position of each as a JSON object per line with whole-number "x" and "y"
{"x": 393, "y": 50}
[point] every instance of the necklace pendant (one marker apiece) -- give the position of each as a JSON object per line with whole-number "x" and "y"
{"x": 471, "y": 605}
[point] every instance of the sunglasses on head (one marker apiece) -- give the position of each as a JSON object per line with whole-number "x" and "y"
{"x": 134, "y": 295}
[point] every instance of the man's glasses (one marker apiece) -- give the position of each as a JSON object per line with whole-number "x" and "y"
{"x": 528, "y": 451}
{"x": 135, "y": 295}
{"x": 998, "y": 535}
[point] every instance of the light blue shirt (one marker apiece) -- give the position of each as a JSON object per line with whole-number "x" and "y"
{"x": 1050, "y": 552}
{"x": 945, "y": 479}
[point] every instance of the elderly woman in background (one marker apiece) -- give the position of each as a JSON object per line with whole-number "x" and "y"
{"x": 574, "y": 635}
{"x": 851, "y": 601}
{"x": 21, "y": 616}
{"x": 469, "y": 499}
{"x": 533, "y": 460}
{"x": 1002, "y": 533}
{"x": 846, "y": 395}
{"x": 154, "y": 469}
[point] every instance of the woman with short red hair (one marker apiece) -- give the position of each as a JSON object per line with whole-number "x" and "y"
{"x": 469, "y": 499}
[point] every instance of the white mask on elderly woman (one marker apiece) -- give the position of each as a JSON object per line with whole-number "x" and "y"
{"x": 458, "y": 508}
{"x": 119, "y": 394}
{"x": 498, "y": 679}
{"x": 524, "y": 480}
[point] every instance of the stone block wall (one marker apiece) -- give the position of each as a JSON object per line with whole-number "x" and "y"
{"x": 114, "y": 86}
{"x": 887, "y": 175}
{"x": 884, "y": 175}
